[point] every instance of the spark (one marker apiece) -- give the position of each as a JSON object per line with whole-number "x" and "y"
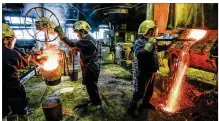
{"x": 175, "y": 92}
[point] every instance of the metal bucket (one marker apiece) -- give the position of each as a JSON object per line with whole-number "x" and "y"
{"x": 52, "y": 77}
{"x": 74, "y": 75}
{"x": 52, "y": 109}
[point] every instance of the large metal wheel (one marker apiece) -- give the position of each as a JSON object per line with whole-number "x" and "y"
{"x": 45, "y": 30}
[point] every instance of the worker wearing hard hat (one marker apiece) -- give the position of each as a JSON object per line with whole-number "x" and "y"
{"x": 14, "y": 95}
{"x": 146, "y": 64}
{"x": 89, "y": 59}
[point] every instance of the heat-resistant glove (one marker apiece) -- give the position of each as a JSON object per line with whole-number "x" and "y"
{"x": 150, "y": 44}
{"x": 60, "y": 32}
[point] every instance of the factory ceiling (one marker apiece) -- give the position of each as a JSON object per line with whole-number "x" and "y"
{"x": 131, "y": 14}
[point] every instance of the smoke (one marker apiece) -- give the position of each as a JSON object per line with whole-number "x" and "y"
{"x": 61, "y": 11}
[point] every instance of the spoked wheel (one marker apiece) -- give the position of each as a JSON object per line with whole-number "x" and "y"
{"x": 43, "y": 28}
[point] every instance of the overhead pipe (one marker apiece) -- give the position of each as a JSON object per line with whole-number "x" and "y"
{"x": 78, "y": 10}
{"x": 109, "y": 11}
{"x": 117, "y": 6}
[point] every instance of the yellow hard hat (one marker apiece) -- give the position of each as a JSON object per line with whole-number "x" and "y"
{"x": 145, "y": 26}
{"x": 82, "y": 25}
{"x": 7, "y": 31}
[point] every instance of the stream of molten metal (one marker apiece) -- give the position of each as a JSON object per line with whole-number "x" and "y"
{"x": 174, "y": 96}
{"x": 175, "y": 92}
{"x": 52, "y": 61}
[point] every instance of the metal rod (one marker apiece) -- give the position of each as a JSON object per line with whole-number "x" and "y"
{"x": 64, "y": 62}
{"x": 42, "y": 12}
{"x": 174, "y": 39}
{"x": 73, "y": 58}
{"x": 29, "y": 74}
{"x": 24, "y": 54}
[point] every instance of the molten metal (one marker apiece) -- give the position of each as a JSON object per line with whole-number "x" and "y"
{"x": 197, "y": 34}
{"x": 174, "y": 96}
{"x": 175, "y": 92}
{"x": 52, "y": 61}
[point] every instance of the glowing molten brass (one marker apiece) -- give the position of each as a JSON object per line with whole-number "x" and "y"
{"x": 52, "y": 61}
{"x": 51, "y": 70}
{"x": 175, "y": 93}
{"x": 197, "y": 34}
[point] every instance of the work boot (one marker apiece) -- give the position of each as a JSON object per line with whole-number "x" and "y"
{"x": 92, "y": 107}
{"x": 133, "y": 112}
{"x": 132, "y": 109}
{"x": 82, "y": 107}
{"x": 146, "y": 106}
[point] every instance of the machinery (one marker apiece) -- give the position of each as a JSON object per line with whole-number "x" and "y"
{"x": 201, "y": 54}
{"x": 51, "y": 59}
{"x": 44, "y": 25}
{"x": 123, "y": 47}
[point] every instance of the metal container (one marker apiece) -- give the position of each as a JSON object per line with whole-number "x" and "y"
{"x": 52, "y": 109}
{"x": 52, "y": 77}
{"x": 74, "y": 75}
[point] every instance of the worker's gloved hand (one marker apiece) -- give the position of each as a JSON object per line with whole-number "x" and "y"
{"x": 152, "y": 40}
{"x": 60, "y": 32}
{"x": 150, "y": 44}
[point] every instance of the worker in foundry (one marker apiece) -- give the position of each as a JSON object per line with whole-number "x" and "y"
{"x": 146, "y": 64}
{"x": 14, "y": 95}
{"x": 89, "y": 60}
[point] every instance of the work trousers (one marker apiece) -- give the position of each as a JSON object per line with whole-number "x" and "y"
{"x": 14, "y": 100}
{"x": 144, "y": 85}
{"x": 90, "y": 79}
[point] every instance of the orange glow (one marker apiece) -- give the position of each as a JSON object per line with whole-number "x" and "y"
{"x": 197, "y": 34}
{"x": 175, "y": 92}
{"x": 52, "y": 61}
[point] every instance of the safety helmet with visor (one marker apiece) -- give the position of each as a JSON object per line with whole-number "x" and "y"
{"x": 8, "y": 32}
{"x": 145, "y": 26}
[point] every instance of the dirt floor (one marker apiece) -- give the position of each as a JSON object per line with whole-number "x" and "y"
{"x": 116, "y": 86}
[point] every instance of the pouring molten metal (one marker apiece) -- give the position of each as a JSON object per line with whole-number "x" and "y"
{"x": 175, "y": 93}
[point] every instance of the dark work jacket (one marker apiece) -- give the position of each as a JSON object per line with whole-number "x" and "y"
{"x": 147, "y": 62}
{"x": 12, "y": 61}
{"x": 88, "y": 49}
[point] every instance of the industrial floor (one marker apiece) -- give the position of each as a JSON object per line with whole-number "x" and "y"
{"x": 115, "y": 86}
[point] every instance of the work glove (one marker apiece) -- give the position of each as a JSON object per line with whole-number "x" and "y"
{"x": 60, "y": 32}
{"x": 150, "y": 44}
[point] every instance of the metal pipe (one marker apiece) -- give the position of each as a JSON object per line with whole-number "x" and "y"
{"x": 24, "y": 54}
{"x": 64, "y": 56}
{"x": 78, "y": 10}
{"x": 29, "y": 74}
{"x": 42, "y": 12}
{"x": 73, "y": 58}
{"x": 117, "y": 6}
{"x": 174, "y": 39}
